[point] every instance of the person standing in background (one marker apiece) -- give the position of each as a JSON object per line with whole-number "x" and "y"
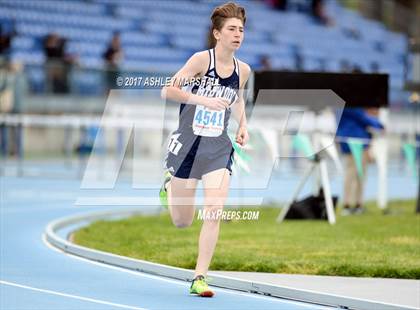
{"x": 12, "y": 85}
{"x": 112, "y": 58}
{"x": 5, "y": 43}
{"x": 58, "y": 63}
{"x": 265, "y": 62}
{"x": 355, "y": 123}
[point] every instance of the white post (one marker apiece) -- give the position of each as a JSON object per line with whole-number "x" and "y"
{"x": 327, "y": 191}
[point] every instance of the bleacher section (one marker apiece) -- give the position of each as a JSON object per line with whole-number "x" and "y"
{"x": 161, "y": 35}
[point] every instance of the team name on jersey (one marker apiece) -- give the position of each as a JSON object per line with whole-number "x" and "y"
{"x": 210, "y": 87}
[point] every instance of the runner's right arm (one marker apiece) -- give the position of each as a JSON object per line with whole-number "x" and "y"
{"x": 195, "y": 66}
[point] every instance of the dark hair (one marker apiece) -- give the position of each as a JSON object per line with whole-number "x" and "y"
{"x": 223, "y": 12}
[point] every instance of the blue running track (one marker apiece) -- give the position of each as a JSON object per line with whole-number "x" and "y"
{"x": 34, "y": 275}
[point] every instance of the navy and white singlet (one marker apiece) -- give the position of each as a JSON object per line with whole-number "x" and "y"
{"x": 201, "y": 143}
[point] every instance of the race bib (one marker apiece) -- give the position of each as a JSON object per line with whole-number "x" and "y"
{"x": 208, "y": 123}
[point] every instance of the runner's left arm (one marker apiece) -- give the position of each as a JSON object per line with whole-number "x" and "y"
{"x": 238, "y": 109}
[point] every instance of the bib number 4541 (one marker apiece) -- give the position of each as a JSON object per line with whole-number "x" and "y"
{"x": 208, "y": 123}
{"x": 209, "y": 117}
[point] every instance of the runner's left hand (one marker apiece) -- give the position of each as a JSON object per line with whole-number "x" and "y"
{"x": 242, "y": 136}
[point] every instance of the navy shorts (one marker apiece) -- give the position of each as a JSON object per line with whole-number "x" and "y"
{"x": 194, "y": 166}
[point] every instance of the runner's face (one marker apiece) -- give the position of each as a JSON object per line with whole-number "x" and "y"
{"x": 232, "y": 34}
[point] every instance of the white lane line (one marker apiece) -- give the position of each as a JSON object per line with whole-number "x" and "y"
{"x": 104, "y": 265}
{"x": 97, "y": 301}
{"x": 177, "y": 282}
{"x": 13, "y": 210}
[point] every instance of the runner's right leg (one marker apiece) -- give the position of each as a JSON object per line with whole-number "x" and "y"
{"x": 181, "y": 199}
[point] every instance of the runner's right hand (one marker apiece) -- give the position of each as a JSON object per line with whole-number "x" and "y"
{"x": 217, "y": 104}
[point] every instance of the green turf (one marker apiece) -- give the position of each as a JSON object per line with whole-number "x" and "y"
{"x": 368, "y": 245}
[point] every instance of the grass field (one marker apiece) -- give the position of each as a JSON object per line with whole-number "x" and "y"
{"x": 367, "y": 245}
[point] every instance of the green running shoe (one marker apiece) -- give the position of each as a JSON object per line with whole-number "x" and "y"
{"x": 163, "y": 193}
{"x": 199, "y": 286}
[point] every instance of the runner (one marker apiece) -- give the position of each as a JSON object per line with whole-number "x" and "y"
{"x": 200, "y": 149}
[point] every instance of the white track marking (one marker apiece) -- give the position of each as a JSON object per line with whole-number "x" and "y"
{"x": 97, "y": 301}
{"x": 173, "y": 281}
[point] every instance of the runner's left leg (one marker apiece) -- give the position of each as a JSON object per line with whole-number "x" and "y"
{"x": 216, "y": 187}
